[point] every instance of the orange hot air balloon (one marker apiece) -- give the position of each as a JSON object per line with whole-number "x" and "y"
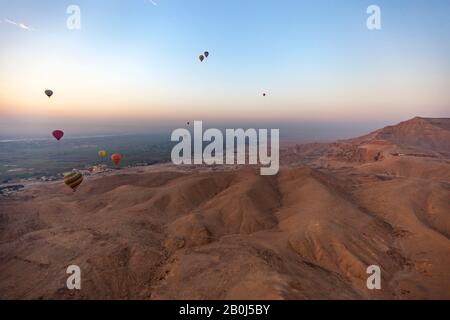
{"x": 116, "y": 158}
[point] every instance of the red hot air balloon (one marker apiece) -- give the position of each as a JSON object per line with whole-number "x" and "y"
{"x": 115, "y": 158}
{"x": 58, "y": 134}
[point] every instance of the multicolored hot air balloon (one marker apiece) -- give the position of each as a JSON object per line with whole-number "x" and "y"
{"x": 73, "y": 180}
{"x": 48, "y": 93}
{"x": 116, "y": 158}
{"x": 201, "y": 58}
{"x": 58, "y": 134}
{"x": 102, "y": 154}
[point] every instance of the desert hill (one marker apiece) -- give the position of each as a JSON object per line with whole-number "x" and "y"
{"x": 418, "y": 139}
{"x": 167, "y": 232}
{"x": 429, "y": 134}
{"x": 227, "y": 235}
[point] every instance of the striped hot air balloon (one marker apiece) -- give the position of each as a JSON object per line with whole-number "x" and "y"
{"x": 73, "y": 180}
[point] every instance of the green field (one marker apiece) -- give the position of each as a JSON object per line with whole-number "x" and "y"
{"x": 37, "y": 158}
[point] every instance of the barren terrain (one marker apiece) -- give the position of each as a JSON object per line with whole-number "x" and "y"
{"x": 166, "y": 232}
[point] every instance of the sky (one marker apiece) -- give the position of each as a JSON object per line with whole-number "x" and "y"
{"x": 133, "y": 65}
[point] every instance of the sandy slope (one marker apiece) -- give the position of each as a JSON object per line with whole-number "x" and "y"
{"x": 169, "y": 234}
{"x": 165, "y": 232}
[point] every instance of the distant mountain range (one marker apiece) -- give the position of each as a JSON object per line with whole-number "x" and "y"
{"x": 421, "y": 137}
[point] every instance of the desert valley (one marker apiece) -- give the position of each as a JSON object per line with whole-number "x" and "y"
{"x": 226, "y": 232}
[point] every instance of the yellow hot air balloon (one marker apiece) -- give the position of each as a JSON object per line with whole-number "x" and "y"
{"x": 102, "y": 154}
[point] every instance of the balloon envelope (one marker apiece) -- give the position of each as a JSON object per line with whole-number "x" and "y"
{"x": 115, "y": 158}
{"x": 73, "y": 180}
{"x": 102, "y": 153}
{"x": 58, "y": 134}
{"x": 201, "y": 58}
{"x": 48, "y": 93}
{"x": 206, "y": 54}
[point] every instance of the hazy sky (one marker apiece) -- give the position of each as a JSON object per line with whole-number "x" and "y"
{"x": 134, "y": 63}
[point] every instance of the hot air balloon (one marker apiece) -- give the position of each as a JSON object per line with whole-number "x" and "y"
{"x": 73, "y": 180}
{"x": 48, "y": 93}
{"x": 115, "y": 158}
{"x": 58, "y": 134}
{"x": 102, "y": 154}
{"x": 264, "y": 94}
{"x": 201, "y": 58}
{"x": 206, "y": 54}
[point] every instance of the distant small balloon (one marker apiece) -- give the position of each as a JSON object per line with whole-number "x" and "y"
{"x": 116, "y": 158}
{"x": 48, "y": 93}
{"x": 264, "y": 94}
{"x": 58, "y": 134}
{"x": 206, "y": 54}
{"x": 201, "y": 58}
{"x": 102, "y": 154}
